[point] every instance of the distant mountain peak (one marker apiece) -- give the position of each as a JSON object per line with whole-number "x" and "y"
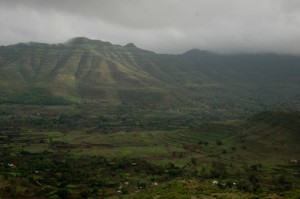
{"x": 79, "y": 40}
{"x": 84, "y": 40}
{"x": 130, "y": 45}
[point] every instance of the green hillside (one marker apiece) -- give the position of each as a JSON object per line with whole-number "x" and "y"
{"x": 84, "y": 73}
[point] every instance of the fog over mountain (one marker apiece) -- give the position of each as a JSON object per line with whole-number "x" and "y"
{"x": 170, "y": 26}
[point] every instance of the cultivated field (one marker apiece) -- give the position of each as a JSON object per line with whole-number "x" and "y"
{"x": 244, "y": 158}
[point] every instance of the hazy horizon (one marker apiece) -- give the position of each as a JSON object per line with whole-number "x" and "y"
{"x": 171, "y": 26}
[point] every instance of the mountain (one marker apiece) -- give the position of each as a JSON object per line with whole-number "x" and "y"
{"x": 126, "y": 79}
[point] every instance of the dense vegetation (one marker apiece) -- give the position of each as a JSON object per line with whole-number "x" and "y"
{"x": 236, "y": 159}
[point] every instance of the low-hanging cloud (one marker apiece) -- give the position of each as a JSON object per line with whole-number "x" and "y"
{"x": 168, "y": 26}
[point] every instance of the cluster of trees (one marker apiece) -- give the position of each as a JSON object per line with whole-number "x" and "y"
{"x": 105, "y": 124}
{"x": 47, "y": 174}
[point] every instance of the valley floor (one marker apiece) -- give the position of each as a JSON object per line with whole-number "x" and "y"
{"x": 233, "y": 159}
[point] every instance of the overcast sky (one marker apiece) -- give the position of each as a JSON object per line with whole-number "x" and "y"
{"x": 163, "y": 26}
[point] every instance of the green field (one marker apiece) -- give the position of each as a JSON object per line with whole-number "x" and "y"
{"x": 256, "y": 155}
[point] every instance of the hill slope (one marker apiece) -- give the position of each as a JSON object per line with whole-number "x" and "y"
{"x": 119, "y": 78}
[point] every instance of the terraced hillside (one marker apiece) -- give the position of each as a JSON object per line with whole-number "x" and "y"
{"x": 257, "y": 157}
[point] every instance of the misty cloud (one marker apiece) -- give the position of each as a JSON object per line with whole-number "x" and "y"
{"x": 171, "y": 26}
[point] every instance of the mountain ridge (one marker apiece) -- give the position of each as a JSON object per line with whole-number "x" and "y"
{"x": 84, "y": 71}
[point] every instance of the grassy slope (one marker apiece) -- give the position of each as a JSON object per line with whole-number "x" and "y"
{"x": 89, "y": 72}
{"x": 244, "y": 142}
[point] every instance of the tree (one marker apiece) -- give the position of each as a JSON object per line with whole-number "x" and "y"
{"x": 219, "y": 142}
{"x": 218, "y": 170}
{"x": 62, "y": 193}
